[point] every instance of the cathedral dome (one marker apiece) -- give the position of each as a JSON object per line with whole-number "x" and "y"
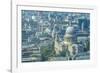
{"x": 70, "y": 30}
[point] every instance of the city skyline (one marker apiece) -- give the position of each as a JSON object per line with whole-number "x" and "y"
{"x": 55, "y": 36}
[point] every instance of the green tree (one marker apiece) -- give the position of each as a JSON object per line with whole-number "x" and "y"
{"x": 47, "y": 51}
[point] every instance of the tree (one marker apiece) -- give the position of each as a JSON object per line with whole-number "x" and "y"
{"x": 47, "y": 51}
